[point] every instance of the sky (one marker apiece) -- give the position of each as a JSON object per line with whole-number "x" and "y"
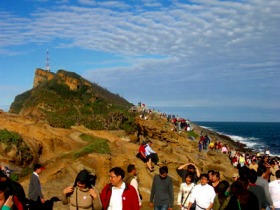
{"x": 205, "y": 60}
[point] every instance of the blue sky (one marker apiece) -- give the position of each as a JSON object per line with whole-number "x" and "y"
{"x": 214, "y": 60}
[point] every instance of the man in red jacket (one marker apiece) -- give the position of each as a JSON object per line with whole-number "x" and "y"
{"x": 118, "y": 194}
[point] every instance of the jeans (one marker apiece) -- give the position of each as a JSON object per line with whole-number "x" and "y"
{"x": 164, "y": 207}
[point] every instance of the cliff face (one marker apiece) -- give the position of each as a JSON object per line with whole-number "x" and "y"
{"x": 42, "y": 76}
{"x": 72, "y": 80}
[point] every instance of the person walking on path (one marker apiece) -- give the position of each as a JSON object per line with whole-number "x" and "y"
{"x": 203, "y": 194}
{"x": 132, "y": 179}
{"x": 186, "y": 168}
{"x": 185, "y": 191}
{"x": 82, "y": 195}
{"x": 256, "y": 189}
{"x": 118, "y": 195}
{"x": 35, "y": 194}
{"x": 261, "y": 181}
{"x": 162, "y": 194}
{"x": 222, "y": 197}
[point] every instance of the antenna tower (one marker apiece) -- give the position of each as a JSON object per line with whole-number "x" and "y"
{"x": 47, "y": 62}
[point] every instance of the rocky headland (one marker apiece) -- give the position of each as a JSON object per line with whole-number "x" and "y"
{"x": 59, "y": 145}
{"x": 62, "y": 108}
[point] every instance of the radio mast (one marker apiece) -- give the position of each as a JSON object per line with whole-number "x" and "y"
{"x": 47, "y": 61}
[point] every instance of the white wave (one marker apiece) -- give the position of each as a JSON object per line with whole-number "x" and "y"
{"x": 250, "y": 142}
{"x": 274, "y": 154}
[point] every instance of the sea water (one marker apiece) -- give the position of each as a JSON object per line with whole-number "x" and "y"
{"x": 256, "y": 135}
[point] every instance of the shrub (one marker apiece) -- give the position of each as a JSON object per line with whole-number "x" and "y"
{"x": 96, "y": 145}
{"x": 11, "y": 138}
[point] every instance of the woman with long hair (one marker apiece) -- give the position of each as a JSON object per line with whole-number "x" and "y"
{"x": 82, "y": 195}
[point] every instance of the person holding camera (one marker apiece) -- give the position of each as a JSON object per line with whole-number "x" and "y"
{"x": 82, "y": 195}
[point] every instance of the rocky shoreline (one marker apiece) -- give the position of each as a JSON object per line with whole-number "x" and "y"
{"x": 224, "y": 139}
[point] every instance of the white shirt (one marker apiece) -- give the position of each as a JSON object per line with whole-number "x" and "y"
{"x": 203, "y": 195}
{"x": 116, "y": 198}
{"x": 134, "y": 183}
{"x": 274, "y": 189}
{"x": 184, "y": 193}
{"x": 148, "y": 150}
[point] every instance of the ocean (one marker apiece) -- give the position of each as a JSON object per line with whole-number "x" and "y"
{"x": 256, "y": 135}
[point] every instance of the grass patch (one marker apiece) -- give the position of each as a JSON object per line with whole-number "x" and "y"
{"x": 96, "y": 145}
{"x": 192, "y": 133}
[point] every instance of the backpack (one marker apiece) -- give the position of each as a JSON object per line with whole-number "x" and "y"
{"x": 127, "y": 179}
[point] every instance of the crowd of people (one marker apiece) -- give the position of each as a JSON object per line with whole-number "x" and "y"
{"x": 256, "y": 186}
{"x": 253, "y": 188}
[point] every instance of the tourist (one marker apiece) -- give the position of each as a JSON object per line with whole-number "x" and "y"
{"x": 225, "y": 149}
{"x": 241, "y": 160}
{"x": 82, "y": 195}
{"x": 35, "y": 194}
{"x": 15, "y": 189}
{"x": 200, "y": 145}
{"x": 150, "y": 153}
{"x": 212, "y": 145}
{"x": 256, "y": 189}
{"x": 142, "y": 155}
{"x": 162, "y": 195}
{"x": 273, "y": 169}
{"x": 207, "y": 141}
{"x": 203, "y": 194}
{"x": 241, "y": 198}
{"x": 261, "y": 181}
{"x": 235, "y": 176}
{"x": 118, "y": 194}
{"x": 254, "y": 164}
{"x": 132, "y": 179}
{"x": 274, "y": 189}
{"x": 182, "y": 170}
{"x": 222, "y": 197}
{"x": 6, "y": 199}
{"x": 232, "y": 153}
{"x": 215, "y": 180}
{"x": 210, "y": 172}
{"x": 185, "y": 191}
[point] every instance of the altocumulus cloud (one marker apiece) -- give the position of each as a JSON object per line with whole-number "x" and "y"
{"x": 222, "y": 50}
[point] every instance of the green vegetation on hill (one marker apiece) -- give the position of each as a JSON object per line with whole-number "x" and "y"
{"x": 96, "y": 145}
{"x": 12, "y": 139}
{"x": 91, "y": 106}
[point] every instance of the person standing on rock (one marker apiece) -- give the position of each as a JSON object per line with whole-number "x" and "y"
{"x": 118, "y": 195}
{"x": 35, "y": 191}
{"x": 162, "y": 194}
{"x": 82, "y": 195}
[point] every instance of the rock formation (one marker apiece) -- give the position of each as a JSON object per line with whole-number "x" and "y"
{"x": 61, "y": 107}
{"x": 58, "y": 146}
